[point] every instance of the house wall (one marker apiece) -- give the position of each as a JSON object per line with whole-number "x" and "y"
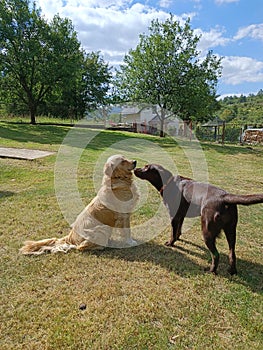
{"x": 136, "y": 115}
{"x": 146, "y": 120}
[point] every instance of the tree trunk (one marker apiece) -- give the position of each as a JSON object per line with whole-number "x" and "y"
{"x": 33, "y": 119}
{"x": 33, "y": 115}
{"x": 162, "y": 134}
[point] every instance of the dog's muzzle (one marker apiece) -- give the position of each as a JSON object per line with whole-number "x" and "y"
{"x": 137, "y": 172}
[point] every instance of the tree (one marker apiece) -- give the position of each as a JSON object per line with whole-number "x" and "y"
{"x": 94, "y": 82}
{"x": 86, "y": 92}
{"x": 35, "y": 56}
{"x": 43, "y": 66}
{"x": 165, "y": 70}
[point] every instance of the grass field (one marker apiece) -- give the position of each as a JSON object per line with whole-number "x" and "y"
{"x": 147, "y": 297}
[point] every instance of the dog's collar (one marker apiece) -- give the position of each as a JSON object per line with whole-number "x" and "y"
{"x": 164, "y": 186}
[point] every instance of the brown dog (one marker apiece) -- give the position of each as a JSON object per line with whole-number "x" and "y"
{"x": 110, "y": 209}
{"x": 185, "y": 197}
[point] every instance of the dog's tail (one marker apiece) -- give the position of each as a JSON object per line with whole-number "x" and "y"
{"x": 50, "y": 245}
{"x": 243, "y": 199}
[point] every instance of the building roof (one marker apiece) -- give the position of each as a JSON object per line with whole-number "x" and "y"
{"x": 215, "y": 122}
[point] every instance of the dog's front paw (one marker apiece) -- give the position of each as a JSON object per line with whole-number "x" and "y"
{"x": 169, "y": 244}
{"x": 210, "y": 270}
{"x": 131, "y": 242}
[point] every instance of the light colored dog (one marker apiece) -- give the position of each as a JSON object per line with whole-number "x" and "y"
{"x": 110, "y": 209}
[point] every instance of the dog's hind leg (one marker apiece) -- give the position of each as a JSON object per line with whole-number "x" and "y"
{"x": 231, "y": 239}
{"x": 210, "y": 243}
{"x": 210, "y": 232}
{"x": 230, "y": 233}
{"x": 229, "y": 219}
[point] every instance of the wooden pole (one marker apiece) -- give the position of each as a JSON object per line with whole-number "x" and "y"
{"x": 223, "y": 133}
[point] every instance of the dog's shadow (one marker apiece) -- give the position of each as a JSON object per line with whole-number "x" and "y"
{"x": 180, "y": 260}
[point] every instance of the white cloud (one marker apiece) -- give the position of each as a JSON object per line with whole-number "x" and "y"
{"x": 113, "y": 30}
{"x": 238, "y": 70}
{"x": 254, "y": 31}
{"x": 220, "y": 2}
{"x": 165, "y": 3}
{"x": 49, "y": 7}
{"x": 211, "y": 39}
{"x": 109, "y": 26}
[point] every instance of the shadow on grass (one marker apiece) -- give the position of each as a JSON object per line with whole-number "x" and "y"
{"x": 249, "y": 274}
{"x": 228, "y": 149}
{"x": 171, "y": 260}
{"x": 56, "y": 134}
{"x": 179, "y": 261}
{"x": 4, "y": 194}
{"x": 25, "y": 133}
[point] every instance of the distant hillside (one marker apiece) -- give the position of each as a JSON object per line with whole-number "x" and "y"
{"x": 243, "y": 110}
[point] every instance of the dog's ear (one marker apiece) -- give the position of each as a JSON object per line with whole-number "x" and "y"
{"x": 108, "y": 169}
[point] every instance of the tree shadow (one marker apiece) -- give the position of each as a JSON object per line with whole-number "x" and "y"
{"x": 33, "y": 133}
{"x": 179, "y": 261}
{"x": 57, "y": 134}
{"x": 231, "y": 149}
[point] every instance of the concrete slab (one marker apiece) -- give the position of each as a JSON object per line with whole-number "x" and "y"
{"x": 21, "y": 153}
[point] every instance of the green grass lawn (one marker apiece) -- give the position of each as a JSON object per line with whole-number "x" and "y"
{"x": 147, "y": 297}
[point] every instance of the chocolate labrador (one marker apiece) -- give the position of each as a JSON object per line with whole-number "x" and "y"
{"x": 185, "y": 197}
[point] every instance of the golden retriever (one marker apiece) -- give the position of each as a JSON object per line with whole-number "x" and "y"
{"x": 110, "y": 209}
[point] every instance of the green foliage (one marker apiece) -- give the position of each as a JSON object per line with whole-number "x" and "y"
{"x": 86, "y": 92}
{"x": 165, "y": 70}
{"x": 243, "y": 110}
{"x": 42, "y": 64}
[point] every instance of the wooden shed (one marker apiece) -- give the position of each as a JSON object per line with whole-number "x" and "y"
{"x": 219, "y": 128}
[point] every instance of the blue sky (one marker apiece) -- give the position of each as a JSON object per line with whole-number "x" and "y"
{"x": 230, "y": 28}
